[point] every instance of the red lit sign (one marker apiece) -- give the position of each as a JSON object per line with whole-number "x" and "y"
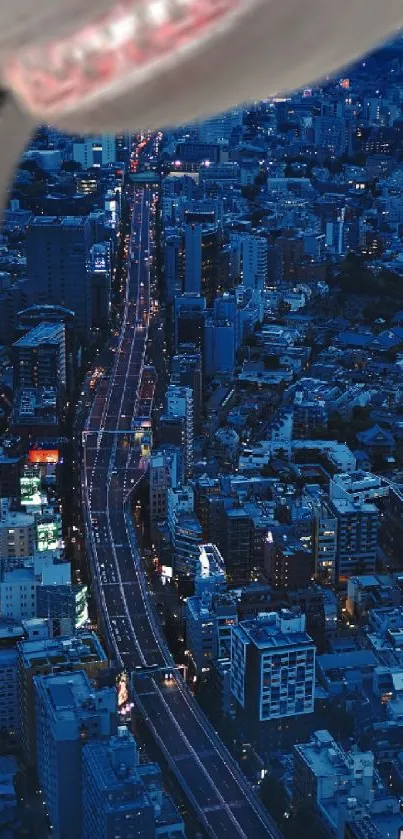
{"x": 43, "y": 456}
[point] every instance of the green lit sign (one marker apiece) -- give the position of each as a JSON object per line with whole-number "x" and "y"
{"x": 30, "y": 490}
{"x": 47, "y": 536}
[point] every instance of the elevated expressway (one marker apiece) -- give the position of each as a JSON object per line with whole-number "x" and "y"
{"x": 113, "y": 466}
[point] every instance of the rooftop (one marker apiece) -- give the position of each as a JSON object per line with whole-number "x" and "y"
{"x": 59, "y": 221}
{"x": 84, "y": 648}
{"x": 44, "y": 332}
{"x": 323, "y": 755}
{"x": 267, "y": 633}
{"x": 70, "y": 699}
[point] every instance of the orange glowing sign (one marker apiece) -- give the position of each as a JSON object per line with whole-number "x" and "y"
{"x": 345, "y": 84}
{"x": 43, "y": 456}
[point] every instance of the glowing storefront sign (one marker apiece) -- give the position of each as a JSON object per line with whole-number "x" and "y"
{"x": 43, "y": 456}
{"x": 47, "y": 536}
{"x": 31, "y": 491}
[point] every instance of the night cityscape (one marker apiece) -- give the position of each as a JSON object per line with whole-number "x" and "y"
{"x": 201, "y": 474}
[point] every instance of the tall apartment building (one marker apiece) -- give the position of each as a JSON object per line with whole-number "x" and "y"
{"x": 173, "y": 264}
{"x": 202, "y": 243}
{"x": 160, "y": 482}
{"x": 273, "y": 667}
{"x": 43, "y": 656}
{"x": 235, "y": 545}
{"x": 186, "y": 371}
{"x": 255, "y": 262}
{"x": 188, "y": 536}
{"x": 10, "y": 634}
{"x": 179, "y": 403}
{"x": 325, "y": 544}
{"x": 58, "y": 252}
{"x": 190, "y": 314}
{"x": 180, "y": 500}
{"x": 31, "y": 318}
{"x": 39, "y": 357}
{"x": 288, "y": 564}
{"x": 357, "y": 531}
{"x": 193, "y": 258}
{"x": 219, "y": 346}
{"x": 69, "y": 713}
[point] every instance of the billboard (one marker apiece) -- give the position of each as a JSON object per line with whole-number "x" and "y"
{"x": 123, "y": 695}
{"x": 47, "y": 536}
{"x": 30, "y": 488}
{"x": 43, "y": 456}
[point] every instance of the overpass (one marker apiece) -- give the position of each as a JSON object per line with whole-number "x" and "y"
{"x": 112, "y": 470}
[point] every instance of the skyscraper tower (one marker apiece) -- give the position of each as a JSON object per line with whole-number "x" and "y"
{"x": 58, "y": 251}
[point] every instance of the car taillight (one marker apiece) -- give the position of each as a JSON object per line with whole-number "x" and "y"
{"x": 122, "y": 49}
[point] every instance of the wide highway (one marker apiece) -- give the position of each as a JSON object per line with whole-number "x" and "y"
{"x": 113, "y": 466}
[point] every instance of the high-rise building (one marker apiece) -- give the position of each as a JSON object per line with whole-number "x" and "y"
{"x": 332, "y": 134}
{"x": 190, "y": 314}
{"x": 357, "y": 531}
{"x": 255, "y": 262}
{"x": 235, "y": 545}
{"x": 211, "y": 613}
{"x": 325, "y": 544}
{"x": 172, "y": 432}
{"x": 193, "y": 258}
{"x": 273, "y": 667}
{"x": 39, "y": 357}
{"x": 95, "y": 151}
{"x": 288, "y": 564}
{"x": 115, "y": 801}
{"x": 9, "y": 704}
{"x": 29, "y": 319}
{"x": 39, "y": 656}
{"x": 180, "y": 500}
{"x": 219, "y": 128}
{"x": 123, "y": 147}
{"x": 69, "y": 713}
{"x": 186, "y": 370}
{"x": 11, "y": 633}
{"x": 219, "y": 346}
{"x": 163, "y": 471}
{"x": 10, "y": 470}
{"x": 201, "y": 259}
{"x": 188, "y": 536}
{"x": 179, "y": 403}
{"x": 173, "y": 265}
{"x": 58, "y": 252}
{"x": 185, "y": 531}
{"x": 12, "y": 299}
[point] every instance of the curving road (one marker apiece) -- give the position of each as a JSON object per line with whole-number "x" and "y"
{"x": 112, "y": 469}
